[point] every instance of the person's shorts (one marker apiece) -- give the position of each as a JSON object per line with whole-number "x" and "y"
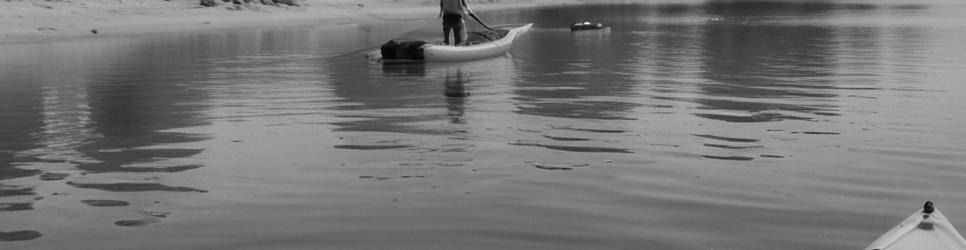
{"x": 453, "y": 19}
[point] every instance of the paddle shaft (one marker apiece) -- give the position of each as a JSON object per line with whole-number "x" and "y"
{"x": 473, "y": 15}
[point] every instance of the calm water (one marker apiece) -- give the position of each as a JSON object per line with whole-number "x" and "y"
{"x": 720, "y": 126}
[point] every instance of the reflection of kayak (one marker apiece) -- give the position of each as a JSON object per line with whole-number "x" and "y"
{"x": 924, "y": 229}
{"x": 481, "y": 45}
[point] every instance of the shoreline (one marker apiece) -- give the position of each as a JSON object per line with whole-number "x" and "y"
{"x": 26, "y": 22}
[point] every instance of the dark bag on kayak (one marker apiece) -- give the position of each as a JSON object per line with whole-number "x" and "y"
{"x": 412, "y": 50}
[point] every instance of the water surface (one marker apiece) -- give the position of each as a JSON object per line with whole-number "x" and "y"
{"x": 713, "y": 126}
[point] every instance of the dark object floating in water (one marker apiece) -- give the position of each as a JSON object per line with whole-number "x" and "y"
{"x": 105, "y": 203}
{"x": 19, "y": 235}
{"x": 586, "y": 26}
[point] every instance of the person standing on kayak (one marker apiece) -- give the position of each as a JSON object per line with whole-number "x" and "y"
{"x": 452, "y": 12}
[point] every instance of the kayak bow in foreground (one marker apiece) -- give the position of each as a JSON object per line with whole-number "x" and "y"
{"x": 927, "y": 228}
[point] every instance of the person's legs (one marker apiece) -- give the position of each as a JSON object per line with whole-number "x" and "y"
{"x": 451, "y": 22}
{"x": 459, "y": 32}
{"x": 446, "y": 28}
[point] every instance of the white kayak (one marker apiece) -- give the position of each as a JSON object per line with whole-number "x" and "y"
{"x": 924, "y": 229}
{"x": 484, "y": 46}
{"x": 445, "y": 53}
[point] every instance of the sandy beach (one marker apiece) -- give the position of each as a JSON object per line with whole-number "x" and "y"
{"x": 23, "y": 20}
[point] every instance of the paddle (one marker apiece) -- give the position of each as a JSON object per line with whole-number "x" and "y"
{"x": 473, "y": 15}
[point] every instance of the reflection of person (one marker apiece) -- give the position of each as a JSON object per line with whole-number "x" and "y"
{"x": 456, "y": 94}
{"x": 455, "y": 84}
{"x": 452, "y": 12}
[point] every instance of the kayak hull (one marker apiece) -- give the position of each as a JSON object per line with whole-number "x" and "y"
{"x": 444, "y": 53}
{"x": 423, "y": 51}
{"x": 921, "y": 230}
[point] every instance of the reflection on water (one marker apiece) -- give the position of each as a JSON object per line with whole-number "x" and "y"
{"x": 383, "y": 94}
{"x": 723, "y": 125}
{"x": 21, "y": 107}
{"x": 456, "y": 94}
{"x": 133, "y": 111}
{"x": 762, "y": 73}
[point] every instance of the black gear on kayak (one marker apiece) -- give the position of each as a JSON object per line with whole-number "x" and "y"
{"x": 928, "y": 207}
{"x": 412, "y": 50}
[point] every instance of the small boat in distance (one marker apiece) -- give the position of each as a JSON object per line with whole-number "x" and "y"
{"x": 575, "y": 26}
{"x": 480, "y": 45}
{"x": 927, "y": 228}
